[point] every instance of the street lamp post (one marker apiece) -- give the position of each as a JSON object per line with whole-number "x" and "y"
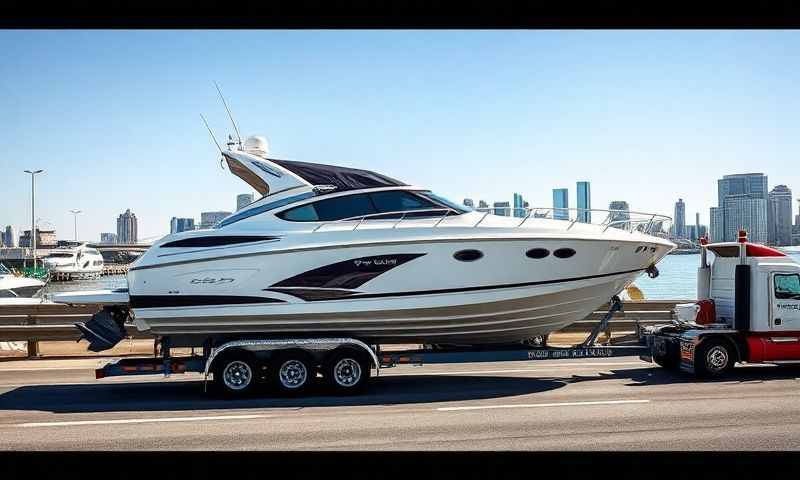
{"x": 33, "y": 213}
{"x": 75, "y": 218}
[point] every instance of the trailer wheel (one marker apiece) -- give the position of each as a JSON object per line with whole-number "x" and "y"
{"x": 346, "y": 371}
{"x": 713, "y": 358}
{"x": 236, "y": 374}
{"x": 291, "y": 372}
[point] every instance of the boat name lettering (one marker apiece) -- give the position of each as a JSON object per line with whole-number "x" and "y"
{"x": 376, "y": 261}
{"x": 213, "y": 281}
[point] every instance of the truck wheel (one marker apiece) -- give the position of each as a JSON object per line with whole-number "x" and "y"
{"x": 236, "y": 374}
{"x": 713, "y": 358}
{"x": 346, "y": 371}
{"x": 291, "y": 372}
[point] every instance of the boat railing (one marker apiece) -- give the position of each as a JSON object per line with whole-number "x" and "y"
{"x": 647, "y": 223}
{"x": 643, "y": 222}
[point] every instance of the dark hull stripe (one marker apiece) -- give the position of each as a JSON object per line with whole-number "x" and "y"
{"x": 216, "y": 241}
{"x": 463, "y": 289}
{"x": 378, "y": 243}
{"x": 161, "y": 301}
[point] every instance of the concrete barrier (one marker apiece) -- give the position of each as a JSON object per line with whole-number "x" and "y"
{"x": 33, "y": 323}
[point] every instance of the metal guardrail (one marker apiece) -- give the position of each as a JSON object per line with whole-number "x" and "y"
{"x": 55, "y": 322}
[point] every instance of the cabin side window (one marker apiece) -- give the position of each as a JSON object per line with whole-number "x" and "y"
{"x": 375, "y": 203}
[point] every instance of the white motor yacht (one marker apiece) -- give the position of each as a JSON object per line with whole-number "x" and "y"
{"x": 13, "y": 286}
{"x": 339, "y": 251}
{"x": 74, "y": 262}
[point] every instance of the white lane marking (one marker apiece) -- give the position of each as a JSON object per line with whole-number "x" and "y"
{"x": 519, "y": 370}
{"x": 138, "y": 420}
{"x": 533, "y": 405}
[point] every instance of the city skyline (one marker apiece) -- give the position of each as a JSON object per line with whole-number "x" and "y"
{"x": 724, "y": 99}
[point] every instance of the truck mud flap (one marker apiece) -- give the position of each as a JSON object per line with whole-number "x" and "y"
{"x": 102, "y": 331}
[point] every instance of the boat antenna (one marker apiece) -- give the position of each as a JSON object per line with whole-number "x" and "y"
{"x": 215, "y": 141}
{"x": 230, "y": 115}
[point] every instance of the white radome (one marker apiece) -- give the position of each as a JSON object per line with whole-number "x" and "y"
{"x": 257, "y": 145}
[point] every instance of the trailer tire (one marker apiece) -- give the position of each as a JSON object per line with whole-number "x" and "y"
{"x": 291, "y": 372}
{"x": 346, "y": 371}
{"x": 714, "y": 358}
{"x": 235, "y": 374}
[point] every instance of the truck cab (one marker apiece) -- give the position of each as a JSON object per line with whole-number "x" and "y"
{"x": 748, "y": 310}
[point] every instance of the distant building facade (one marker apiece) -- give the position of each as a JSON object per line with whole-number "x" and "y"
{"x": 178, "y": 225}
{"x": 779, "y": 216}
{"x": 469, "y": 203}
{"x": 740, "y": 187}
{"x": 745, "y": 212}
{"x": 108, "y": 237}
{"x": 209, "y": 219}
{"x": 127, "y": 228}
{"x": 502, "y": 208}
{"x": 560, "y": 203}
{"x": 519, "y": 206}
{"x": 680, "y": 219}
{"x": 584, "y": 202}
{"x": 44, "y": 239}
{"x": 620, "y": 214}
{"x": 716, "y": 224}
{"x": 482, "y": 204}
{"x": 10, "y": 239}
{"x": 242, "y": 200}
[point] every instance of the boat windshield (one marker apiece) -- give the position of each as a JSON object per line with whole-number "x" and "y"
{"x": 443, "y": 201}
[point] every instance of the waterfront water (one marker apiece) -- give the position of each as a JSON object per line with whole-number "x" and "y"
{"x": 677, "y": 279}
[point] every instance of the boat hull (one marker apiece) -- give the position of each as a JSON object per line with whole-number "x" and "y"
{"x": 470, "y": 317}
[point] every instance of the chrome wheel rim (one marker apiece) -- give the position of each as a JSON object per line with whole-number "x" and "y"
{"x": 717, "y": 358}
{"x": 237, "y": 375}
{"x": 293, "y": 374}
{"x": 347, "y": 372}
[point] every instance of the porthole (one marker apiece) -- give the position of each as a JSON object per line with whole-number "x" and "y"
{"x": 537, "y": 253}
{"x": 468, "y": 255}
{"x": 652, "y": 249}
{"x": 564, "y": 252}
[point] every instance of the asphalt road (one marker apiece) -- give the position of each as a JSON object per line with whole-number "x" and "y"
{"x": 587, "y": 404}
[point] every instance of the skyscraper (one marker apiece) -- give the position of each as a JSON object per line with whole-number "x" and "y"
{"x": 745, "y": 212}
{"x": 242, "y": 200}
{"x": 584, "y": 202}
{"x": 697, "y": 225}
{"x": 742, "y": 185}
{"x": 502, "y": 209}
{"x": 127, "y": 227}
{"x": 209, "y": 219}
{"x": 680, "y": 219}
{"x": 519, "y": 206}
{"x": 11, "y": 238}
{"x": 779, "y": 216}
{"x": 620, "y": 214}
{"x": 482, "y": 204}
{"x": 716, "y": 224}
{"x": 178, "y": 225}
{"x": 560, "y": 203}
{"x": 469, "y": 203}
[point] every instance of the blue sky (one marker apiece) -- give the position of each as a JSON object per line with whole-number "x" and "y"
{"x": 646, "y": 116}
